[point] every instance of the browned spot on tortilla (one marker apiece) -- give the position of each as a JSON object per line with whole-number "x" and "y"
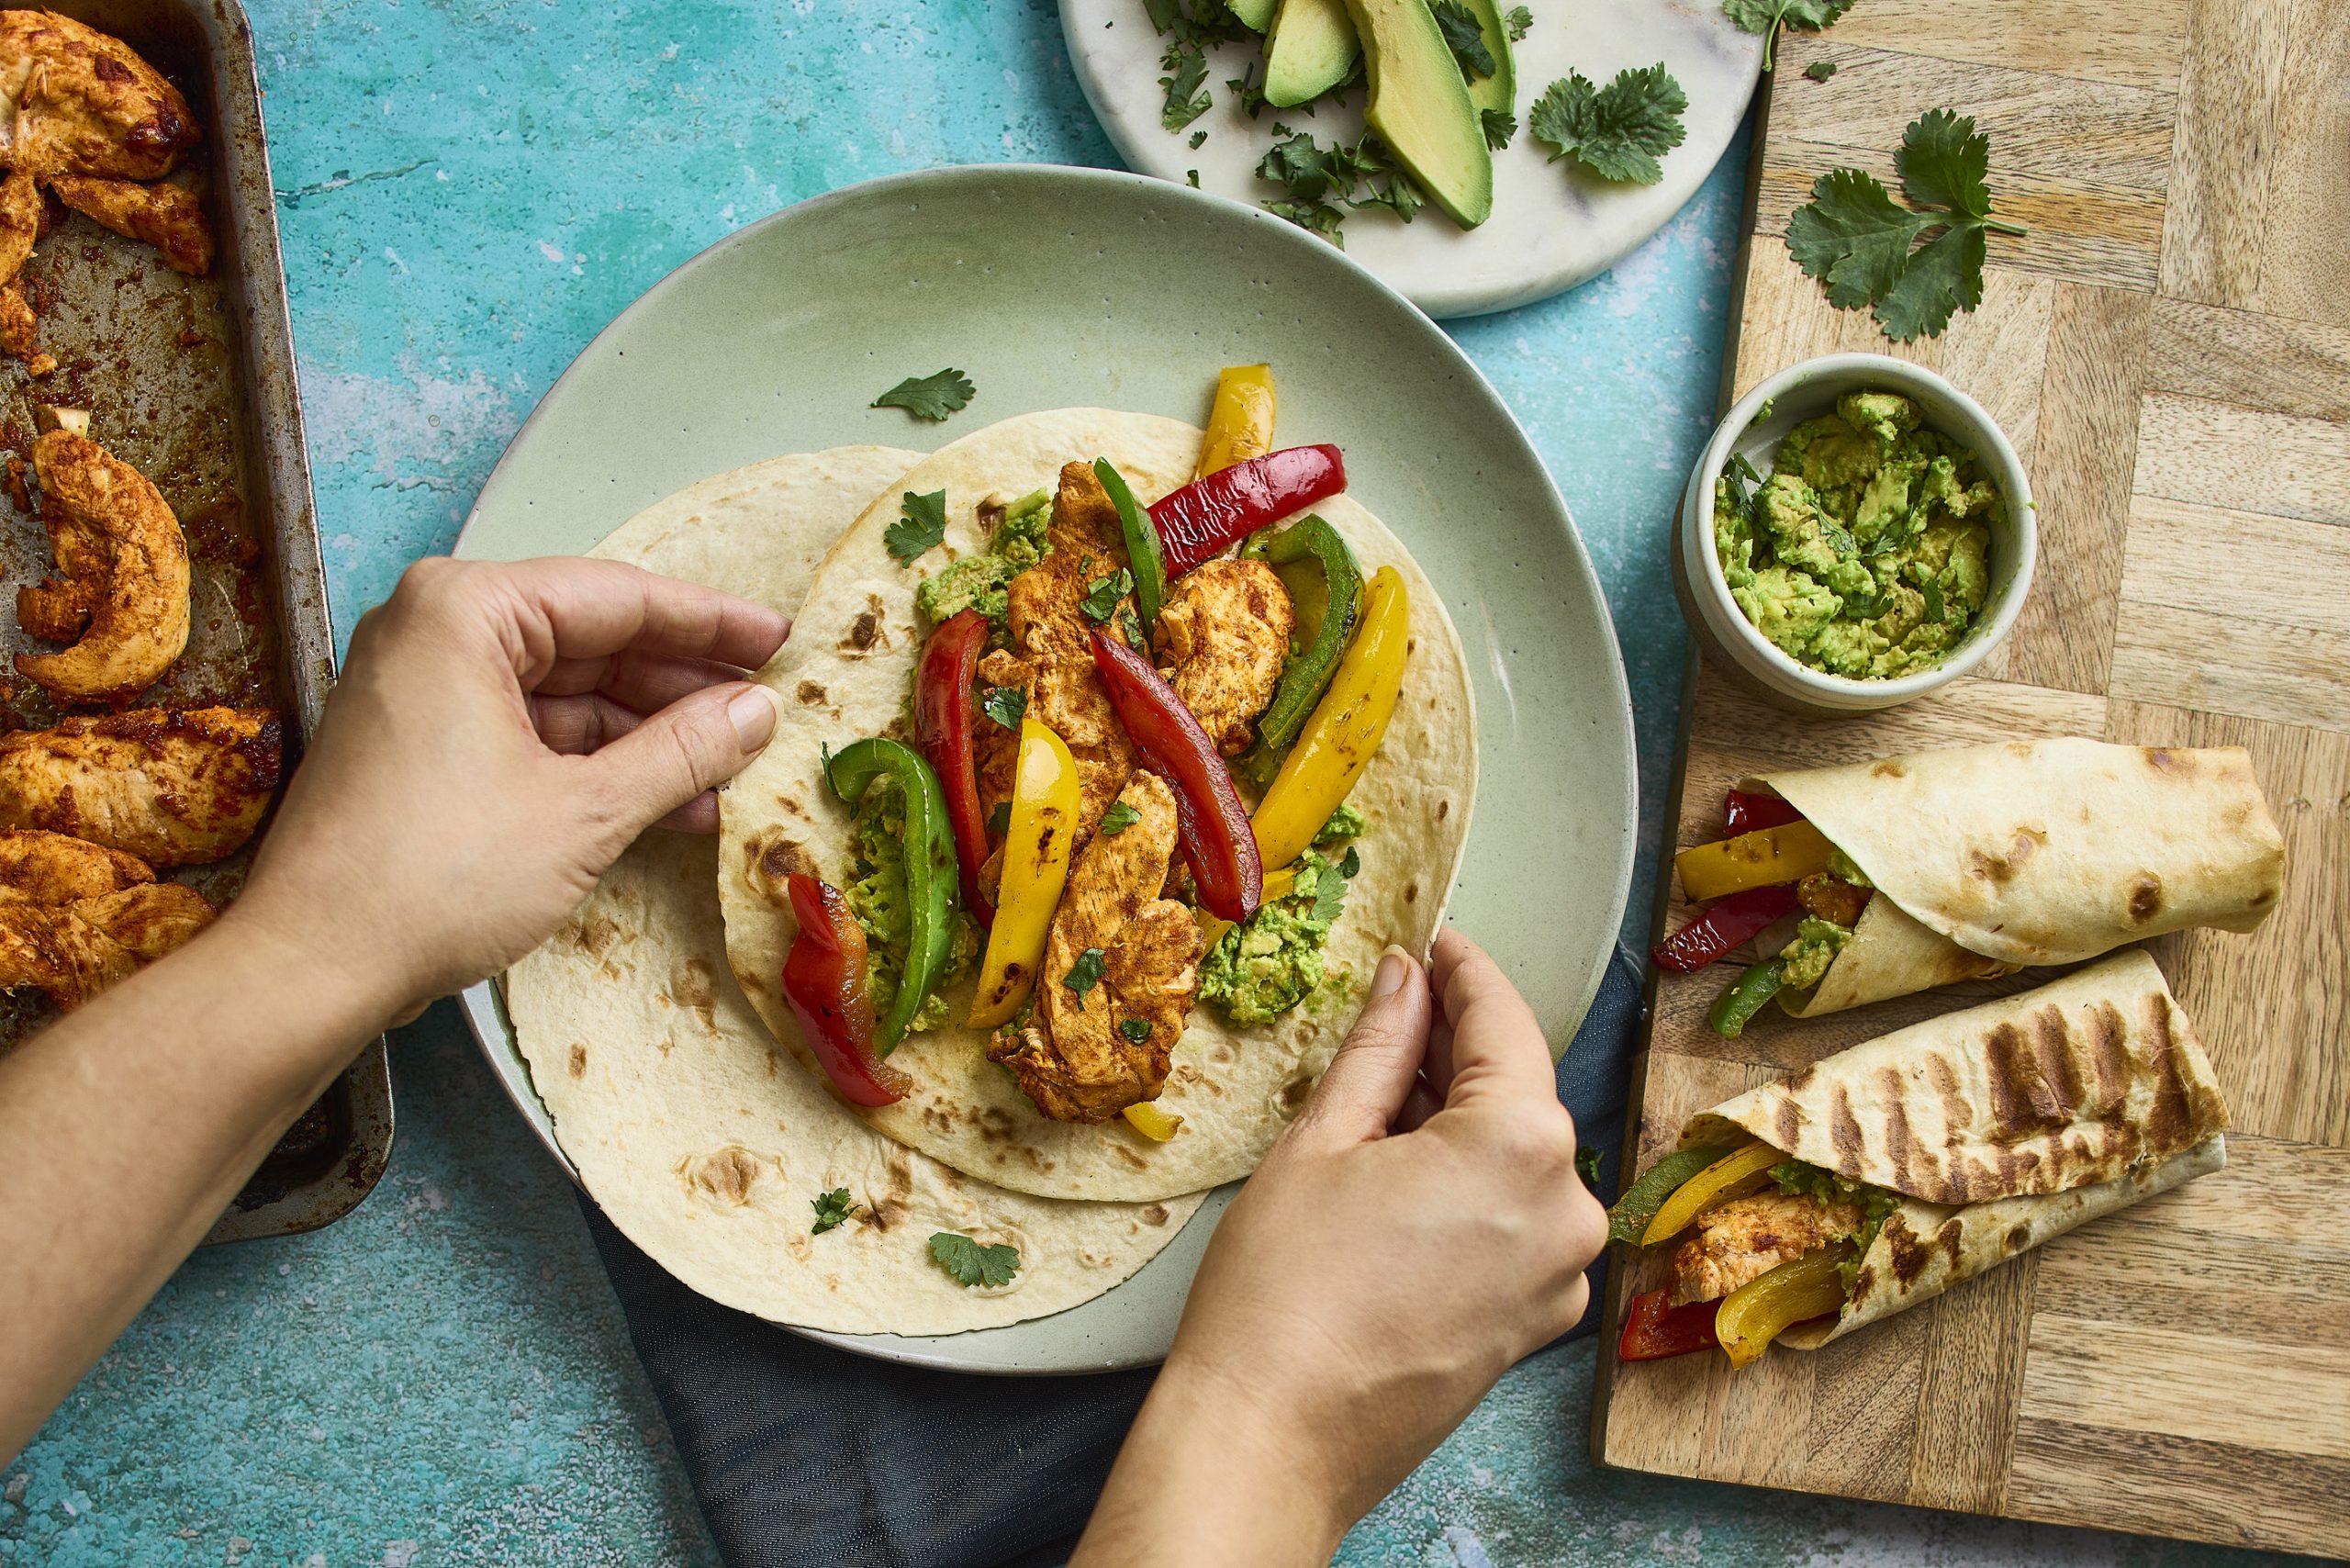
{"x": 596, "y": 933}
{"x": 2165, "y": 760}
{"x": 726, "y": 1175}
{"x": 2001, "y": 869}
{"x": 579, "y": 1061}
{"x": 809, "y": 693}
{"x": 990, "y": 512}
{"x": 900, "y": 1163}
{"x": 1863, "y": 1282}
{"x": 1900, "y": 1145}
{"x": 774, "y": 1056}
{"x": 1844, "y": 1133}
{"x": 2023, "y": 1103}
{"x": 2061, "y": 1067}
{"x": 2168, "y": 1122}
{"x": 1947, "y": 1238}
{"x": 1443, "y": 810}
{"x": 694, "y": 984}
{"x": 2146, "y": 898}
{"x": 1290, "y": 1099}
{"x": 1787, "y": 1123}
{"x": 1155, "y": 1214}
{"x": 1901, "y": 1245}
{"x": 775, "y": 861}
{"x": 884, "y": 1215}
{"x": 1411, "y": 892}
{"x": 1130, "y": 1155}
{"x": 864, "y": 631}
{"x": 1888, "y": 770}
{"x": 2018, "y": 1237}
{"x": 1958, "y": 1112}
{"x": 1221, "y": 1051}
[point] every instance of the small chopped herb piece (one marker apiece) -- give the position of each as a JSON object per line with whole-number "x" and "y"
{"x": 1186, "y": 83}
{"x": 1617, "y": 131}
{"x": 1464, "y": 38}
{"x": 1134, "y": 1029}
{"x": 1197, "y": 138}
{"x": 1517, "y": 19}
{"x": 1250, "y": 93}
{"x": 999, "y": 819}
{"x": 1118, "y": 818}
{"x": 921, "y": 526}
{"x": 1767, "y": 16}
{"x": 929, "y": 397}
{"x": 1194, "y": 176}
{"x": 1102, "y": 594}
{"x": 1820, "y": 69}
{"x": 1132, "y": 627}
{"x": 832, "y": 1209}
{"x": 1007, "y": 705}
{"x": 1322, "y": 184}
{"x": 1084, "y": 974}
{"x": 1587, "y": 1166}
{"x": 1329, "y": 895}
{"x": 1351, "y": 865}
{"x": 972, "y": 1264}
{"x": 1500, "y": 126}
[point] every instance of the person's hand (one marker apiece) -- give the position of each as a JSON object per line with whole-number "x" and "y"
{"x": 1420, "y": 1227}
{"x": 500, "y": 733}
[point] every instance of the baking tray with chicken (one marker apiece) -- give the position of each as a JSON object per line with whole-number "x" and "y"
{"x": 168, "y": 647}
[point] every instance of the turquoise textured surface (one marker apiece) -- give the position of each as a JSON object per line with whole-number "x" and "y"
{"x": 469, "y": 189}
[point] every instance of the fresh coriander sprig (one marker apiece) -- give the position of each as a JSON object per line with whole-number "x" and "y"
{"x": 832, "y": 1209}
{"x": 1618, "y": 131}
{"x": 929, "y": 397}
{"x": 971, "y": 1264}
{"x": 921, "y": 526}
{"x": 1767, "y": 16}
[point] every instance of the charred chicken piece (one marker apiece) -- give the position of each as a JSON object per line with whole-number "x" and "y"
{"x": 1222, "y": 637}
{"x": 77, "y": 101}
{"x": 1746, "y": 1238}
{"x": 20, "y": 223}
{"x": 1832, "y": 899}
{"x": 165, "y": 216}
{"x": 77, "y": 917}
{"x": 1085, "y": 1055}
{"x": 121, "y": 592}
{"x": 173, "y": 787}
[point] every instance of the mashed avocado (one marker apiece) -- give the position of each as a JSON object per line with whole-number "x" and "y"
{"x": 1347, "y": 821}
{"x": 1815, "y": 947}
{"x": 1797, "y": 1178}
{"x": 1263, "y": 967}
{"x": 978, "y": 582}
{"x": 1864, "y": 553}
{"x": 877, "y": 897}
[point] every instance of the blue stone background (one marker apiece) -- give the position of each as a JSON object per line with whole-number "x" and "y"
{"x": 469, "y": 189}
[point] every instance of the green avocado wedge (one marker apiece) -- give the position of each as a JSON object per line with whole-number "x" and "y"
{"x": 1499, "y": 91}
{"x": 1254, "y": 15}
{"x": 1420, "y": 106}
{"x": 1311, "y": 50}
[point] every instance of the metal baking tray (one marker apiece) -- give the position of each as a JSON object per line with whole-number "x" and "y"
{"x": 191, "y": 381}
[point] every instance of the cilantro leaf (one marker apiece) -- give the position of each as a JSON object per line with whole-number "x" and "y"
{"x": 930, "y": 398}
{"x": 1464, "y": 38}
{"x": 1186, "y": 83}
{"x": 1102, "y": 595}
{"x": 972, "y": 1264}
{"x": 1134, "y": 1029}
{"x": 1351, "y": 865}
{"x": 832, "y": 1208}
{"x": 1117, "y": 819}
{"x": 1084, "y": 974}
{"x": 921, "y": 526}
{"x": 1820, "y": 69}
{"x": 1517, "y": 20}
{"x": 1007, "y": 705}
{"x": 1500, "y": 126}
{"x": 1132, "y": 627}
{"x": 1324, "y": 183}
{"x": 999, "y": 819}
{"x": 1329, "y": 896}
{"x": 1617, "y": 131}
{"x": 1587, "y": 1166}
{"x": 1766, "y": 16}
{"x": 1198, "y": 136}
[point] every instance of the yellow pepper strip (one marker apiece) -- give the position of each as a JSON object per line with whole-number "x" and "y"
{"x": 1345, "y": 729}
{"x": 1147, "y": 1118}
{"x": 1731, "y": 1176}
{"x": 1764, "y": 859}
{"x": 1761, "y": 1310}
{"x": 1035, "y": 865}
{"x": 1240, "y": 426}
{"x": 1278, "y": 885}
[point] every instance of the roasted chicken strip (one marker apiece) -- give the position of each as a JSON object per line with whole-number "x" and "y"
{"x": 1746, "y": 1238}
{"x": 76, "y": 917}
{"x": 1087, "y": 1054}
{"x": 1222, "y": 636}
{"x": 52, "y": 868}
{"x": 122, "y": 582}
{"x": 77, "y": 101}
{"x": 172, "y": 787}
{"x": 165, "y": 216}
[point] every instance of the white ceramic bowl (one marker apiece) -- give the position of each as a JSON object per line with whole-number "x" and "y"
{"x": 1795, "y": 395}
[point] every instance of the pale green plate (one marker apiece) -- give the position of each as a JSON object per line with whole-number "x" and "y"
{"x": 1054, "y": 287}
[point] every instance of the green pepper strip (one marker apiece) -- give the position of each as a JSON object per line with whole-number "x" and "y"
{"x": 1746, "y": 996}
{"x": 1143, "y": 557}
{"x": 1326, "y": 585}
{"x": 1629, "y": 1217}
{"x": 930, "y": 867}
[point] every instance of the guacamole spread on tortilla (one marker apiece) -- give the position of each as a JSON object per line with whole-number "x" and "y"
{"x": 1864, "y": 553}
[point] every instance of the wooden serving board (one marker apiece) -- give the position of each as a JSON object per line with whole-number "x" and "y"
{"x": 2169, "y": 350}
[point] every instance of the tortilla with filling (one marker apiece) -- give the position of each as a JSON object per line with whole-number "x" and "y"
{"x": 848, "y": 671}
{"x": 1994, "y": 858}
{"x": 704, "y": 1146}
{"x": 2001, "y": 1127}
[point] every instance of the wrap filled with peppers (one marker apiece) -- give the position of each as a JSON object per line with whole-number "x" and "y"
{"x": 1182, "y": 740}
{"x": 1880, "y": 878}
{"x": 1882, "y": 1176}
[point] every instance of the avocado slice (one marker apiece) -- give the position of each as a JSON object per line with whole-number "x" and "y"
{"x": 1312, "y": 48}
{"x": 1420, "y": 106}
{"x": 1498, "y": 91}
{"x": 1255, "y": 14}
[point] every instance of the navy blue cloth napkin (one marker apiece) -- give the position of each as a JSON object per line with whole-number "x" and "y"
{"x": 801, "y": 1453}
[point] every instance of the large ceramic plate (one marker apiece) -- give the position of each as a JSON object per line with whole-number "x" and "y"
{"x": 1550, "y": 229}
{"x": 1059, "y": 286}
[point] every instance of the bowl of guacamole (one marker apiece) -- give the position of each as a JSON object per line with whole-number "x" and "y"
{"x": 1858, "y": 533}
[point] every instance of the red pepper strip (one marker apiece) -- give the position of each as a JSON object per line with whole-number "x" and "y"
{"x": 1218, "y": 843}
{"x": 824, "y": 978}
{"x": 1730, "y": 921}
{"x": 1653, "y": 1330}
{"x": 950, "y": 662}
{"x": 1749, "y": 814}
{"x": 1209, "y": 514}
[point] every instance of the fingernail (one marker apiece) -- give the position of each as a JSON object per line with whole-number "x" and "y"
{"x": 1394, "y": 965}
{"x": 752, "y": 711}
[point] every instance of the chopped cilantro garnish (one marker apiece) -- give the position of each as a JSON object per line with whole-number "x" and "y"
{"x": 1587, "y": 1166}
{"x": 1102, "y": 594}
{"x": 929, "y": 397}
{"x": 1329, "y": 896}
{"x": 832, "y": 1208}
{"x": 1186, "y": 84}
{"x": 1118, "y": 818}
{"x": 1500, "y": 126}
{"x": 1134, "y": 1029}
{"x": 1084, "y": 974}
{"x": 972, "y": 1264}
{"x": 1322, "y": 184}
{"x": 1617, "y": 131}
{"x": 1132, "y": 627}
{"x": 920, "y": 528}
{"x": 1352, "y": 864}
{"x": 1198, "y": 136}
{"x": 1820, "y": 69}
{"x": 1517, "y": 19}
{"x": 1464, "y": 38}
{"x": 1007, "y": 705}
{"x": 999, "y": 819}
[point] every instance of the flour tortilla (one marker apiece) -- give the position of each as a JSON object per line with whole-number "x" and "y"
{"x": 700, "y": 1143}
{"x": 2001, "y": 1126}
{"x": 848, "y": 671}
{"x": 1993, "y": 857}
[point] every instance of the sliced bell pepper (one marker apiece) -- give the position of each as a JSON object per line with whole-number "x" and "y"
{"x": 1240, "y": 425}
{"x": 1208, "y": 515}
{"x": 930, "y": 867}
{"x": 1278, "y": 885}
{"x": 1325, "y": 589}
{"x": 1743, "y": 811}
{"x": 1653, "y": 1330}
{"x": 1035, "y": 867}
{"x": 824, "y": 978}
{"x": 1734, "y": 1008}
{"x": 1761, "y": 1309}
{"x": 1345, "y": 729}
{"x": 1765, "y": 858}
{"x": 1210, "y": 821}
{"x": 1629, "y": 1216}
{"x": 943, "y": 714}
{"x": 1733, "y": 1175}
{"x": 1143, "y": 555}
{"x": 1723, "y": 927}
{"x": 1154, "y": 1124}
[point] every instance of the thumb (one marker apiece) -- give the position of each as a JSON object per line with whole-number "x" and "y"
{"x": 695, "y": 744}
{"x": 1363, "y": 1088}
